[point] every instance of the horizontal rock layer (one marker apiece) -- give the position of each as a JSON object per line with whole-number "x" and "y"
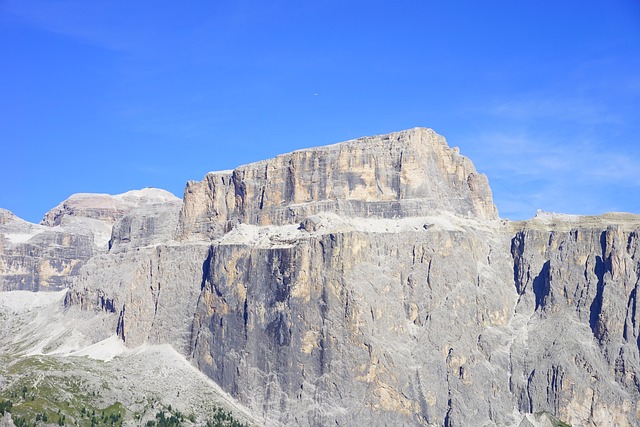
{"x": 34, "y": 257}
{"x": 47, "y": 256}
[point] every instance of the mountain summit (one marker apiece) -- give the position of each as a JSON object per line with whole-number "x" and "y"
{"x": 402, "y": 174}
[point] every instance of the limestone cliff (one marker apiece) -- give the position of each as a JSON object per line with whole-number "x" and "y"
{"x": 48, "y": 255}
{"x": 577, "y": 279}
{"x": 403, "y": 174}
{"x": 428, "y": 322}
{"x": 34, "y": 257}
{"x": 372, "y": 282}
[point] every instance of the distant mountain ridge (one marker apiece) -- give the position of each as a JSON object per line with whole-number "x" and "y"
{"x": 46, "y": 256}
{"x": 370, "y": 281}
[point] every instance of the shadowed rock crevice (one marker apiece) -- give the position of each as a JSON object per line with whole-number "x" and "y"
{"x": 595, "y": 309}
{"x": 106, "y": 304}
{"x": 517, "y": 251}
{"x": 542, "y": 285}
{"x": 120, "y": 325}
{"x": 206, "y": 267}
{"x": 630, "y": 316}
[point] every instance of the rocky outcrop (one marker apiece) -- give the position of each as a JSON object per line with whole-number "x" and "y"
{"x": 403, "y": 174}
{"x": 372, "y": 282}
{"x": 34, "y": 257}
{"x": 145, "y": 216}
{"x": 444, "y": 323}
{"x": 49, "y": 255}
{"x": 150, "y": 220}
{"x": 577, "y": 279}
{"x": 152, "y": 292}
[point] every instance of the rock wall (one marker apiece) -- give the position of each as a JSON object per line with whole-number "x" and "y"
{"x": 46, "y": 257}
{"x": 38, "y": 258}
{"x": 403, "y": 174}
{"x": 152, "y": 292}
{"x": 462, "y": 324}
{"x": 577, "y": 285}
{"x": 359, "y": 328}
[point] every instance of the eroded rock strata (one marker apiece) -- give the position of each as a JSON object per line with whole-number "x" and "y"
{"x": 373, "y": 282}
{"x": 404, "y": 174}
{"x": 47, "y": 256}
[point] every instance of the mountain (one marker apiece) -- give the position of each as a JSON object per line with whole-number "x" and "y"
{"x": 366, "y": 282}
{"x": 48, "y": 255}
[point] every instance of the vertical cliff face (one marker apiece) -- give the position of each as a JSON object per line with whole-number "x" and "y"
{"x": 577, "y": 281}
{"x": 459, "y": 320}
{"x": 151, "y": 293}
{"x": 372, "y": 282}
{"x": 351, "y": 327}
{"x": 427, "y": 322}
{"x": 409, "y": 173}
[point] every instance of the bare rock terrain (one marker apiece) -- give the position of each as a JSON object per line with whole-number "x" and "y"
{"x": 48, "y": 255}
{"x": 367, "y": 282}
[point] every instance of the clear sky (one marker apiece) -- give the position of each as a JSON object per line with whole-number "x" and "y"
{"x": 109, "y": 96}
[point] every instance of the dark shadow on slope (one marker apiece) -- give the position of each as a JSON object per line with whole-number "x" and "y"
{"x": 206, "y": 268}
{"x": 630, "y": 318}
{"x": 596, "y": 305}
{"x": 542, "y": 285}
{"x": 517, "y": 249}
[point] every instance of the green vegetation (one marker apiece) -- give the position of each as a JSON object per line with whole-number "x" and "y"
{"x": 554, "y": 420}
{"x": 221, "y": 418}
{"x": 169, "y": 420}
{"x": 35, "y": 400}
{"x": 33, "y": 406}
{"x": 22, "y": 422}
{"x": 44, "y": 390}
{"x": 5, "y": 406}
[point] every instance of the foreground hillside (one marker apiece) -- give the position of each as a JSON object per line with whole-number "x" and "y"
{"x": 57, "y": 366}
{"x": 370, "y": 281}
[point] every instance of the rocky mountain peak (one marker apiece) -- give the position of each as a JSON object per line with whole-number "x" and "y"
{"x": 48, "y": 255}
{"x": 105, "y": 207}
{"x": 397, "y": 175}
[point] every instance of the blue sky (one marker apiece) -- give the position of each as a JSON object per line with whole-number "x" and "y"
{"x": 111, "y": 96}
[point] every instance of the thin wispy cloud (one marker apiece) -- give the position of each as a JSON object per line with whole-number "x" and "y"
{"x": 530, "y": 172}
{"x": 79, "y": 20}
{"x": 579, "y": 110}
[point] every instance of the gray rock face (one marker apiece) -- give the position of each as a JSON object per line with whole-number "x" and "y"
{"x": 332, "y": 330}
{"x": 151, "y": 220}
{"x": 153, "y": 292}
{"x": 34, "y": 257}
{"x": 371, "y": 282}
{"x": 139, "y": 217}
{"x": 466, "y": 323}
{"x": 48, "y": 256}
{"x": 577, "y": 284}
{"x": 403, "y": 174}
